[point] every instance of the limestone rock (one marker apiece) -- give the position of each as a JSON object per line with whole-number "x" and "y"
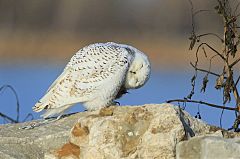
{"x": 126, "y": 132}
{"x": 209, "y": 147}
{"x": 18, "y": 143}
{"x": 149, "y": 131}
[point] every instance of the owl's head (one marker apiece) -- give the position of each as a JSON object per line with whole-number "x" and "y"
{"x": 139, "y": 70}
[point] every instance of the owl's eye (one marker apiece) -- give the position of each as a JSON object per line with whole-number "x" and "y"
{"x": 132, "y": 72}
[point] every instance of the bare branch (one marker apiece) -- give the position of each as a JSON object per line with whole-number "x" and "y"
{"x": 8, "y": 118}
{"x": 210, "y": 63}
{"x": 237, "y": 81}
{"x": 201, "y": 102}
{"x": 16, "y": 96}
{"x": 192, "y": 17}
{"x": 211, "y": 34}
{"x": 201, "y": 10}
{"x": 220, "y": 120}
{"x": 236, "y": 8}
{"x": 29, "y": 115}
{"x": 230, "y": 41}
{"x": 234, "y": 63}
{"x": 202, "y": 70}
{"x": 219, "y": 54}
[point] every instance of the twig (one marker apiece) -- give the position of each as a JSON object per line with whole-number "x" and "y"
{"x": 16, "y": 96}
{"x": 211, "y": 49}
{"x": 29, "y": 115}
{"x": 236, "y": 8}
{"x": 220, "y": 120}
{"x": 201, "y": 102}
{"x": 211, "y": 34}
{"x": 192, "y": 16}
{"x": 237, "y": 81}
{"x": 8, "y": 118}
{"x": 234, "y": 63}
{"x": 201, "y": 10}
{"x": 202, "y": 70}
{"x": 210, "y": 64}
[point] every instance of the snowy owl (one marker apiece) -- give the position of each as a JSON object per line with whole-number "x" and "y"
{"x": 95, "y": 76}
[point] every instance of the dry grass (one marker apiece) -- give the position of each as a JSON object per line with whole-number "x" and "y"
{"x": 170, "y": 52}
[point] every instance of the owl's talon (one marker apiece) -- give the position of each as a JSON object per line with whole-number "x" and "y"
{"x": 117, "y": 103}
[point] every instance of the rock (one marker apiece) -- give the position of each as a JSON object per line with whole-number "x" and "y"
{"x": 149, "y": 131}
{"x": 19, "y": 143}
{"x": 129, "y": 132}
{"x": 209, "y": 147}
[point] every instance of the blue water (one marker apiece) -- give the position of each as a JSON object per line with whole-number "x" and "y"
{"x": 31, "y": 82}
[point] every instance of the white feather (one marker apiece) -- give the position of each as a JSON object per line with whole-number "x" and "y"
{"x": 95, "y": 77}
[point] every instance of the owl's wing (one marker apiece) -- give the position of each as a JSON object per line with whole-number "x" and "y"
{"x": 60, "y": 78}
{"x": 55, "y": 93}
{"x": 100, "y": 67}
{"x": 95, "y": 68}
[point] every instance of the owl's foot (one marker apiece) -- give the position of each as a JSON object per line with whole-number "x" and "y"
{"x": 116, "y": 103}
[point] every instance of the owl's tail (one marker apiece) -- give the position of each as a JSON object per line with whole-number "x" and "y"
{"x": 39, "y": 106}
{"x": 55, "y": 111}
{"x": 44, "y": 102}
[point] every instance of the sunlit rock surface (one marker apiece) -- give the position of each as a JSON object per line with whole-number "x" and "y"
{"x": 126, "y": 132}
{"x": 209, "y": 147}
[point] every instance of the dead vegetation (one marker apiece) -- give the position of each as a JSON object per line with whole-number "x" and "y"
{"x": 8, "y": 119}
{"x": 227, "y": 77}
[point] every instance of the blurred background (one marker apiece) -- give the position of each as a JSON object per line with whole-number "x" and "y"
{"x": 38, "y": 37}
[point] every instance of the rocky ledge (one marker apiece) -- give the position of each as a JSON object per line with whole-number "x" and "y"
{"x": 151, "y": 131}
